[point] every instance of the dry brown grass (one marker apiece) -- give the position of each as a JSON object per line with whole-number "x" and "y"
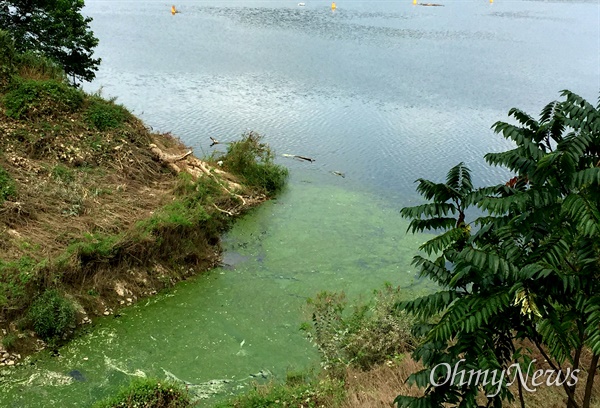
{"x": 555, "y": 397}
{"x": 106, "y": 191}
{"x": 77, "y": 185}
{"x": 377, "y": 388}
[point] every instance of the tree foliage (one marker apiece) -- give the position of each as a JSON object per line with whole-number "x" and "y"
{"x": 54, "y": 28}
{"x": 530, "y": 268}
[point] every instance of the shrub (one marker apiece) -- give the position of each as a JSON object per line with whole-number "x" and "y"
{"x": 32, "y": 98}
{"x": 148, "y": 393}
{"x": 7, "y": 186}
{"x": 253, "y": 161}
{"x": 104, "y": 114}
{"x": 51, "y": 315}
{"x": 369, "y": 334}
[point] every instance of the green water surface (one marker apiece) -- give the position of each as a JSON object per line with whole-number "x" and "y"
{"x": 239, "y": 323}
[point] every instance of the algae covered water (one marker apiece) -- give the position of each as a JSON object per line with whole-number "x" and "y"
{"x": 240, "y": 323}
{"x": 383, "y": 92}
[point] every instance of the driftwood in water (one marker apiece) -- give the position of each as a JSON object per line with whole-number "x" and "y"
{"x": 431, "y": 5}
{"x": 216, "y": 142}
{"x": 295, "y": 156}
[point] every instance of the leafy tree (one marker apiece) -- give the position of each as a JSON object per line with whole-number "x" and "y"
{"x": 55, "y": 28}
{"x": 530, "y": 271}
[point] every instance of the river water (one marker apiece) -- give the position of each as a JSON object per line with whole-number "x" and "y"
{"x": 382, "y": 91}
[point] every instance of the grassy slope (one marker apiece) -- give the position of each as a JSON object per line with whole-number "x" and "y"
{"x": 88, "y": 211}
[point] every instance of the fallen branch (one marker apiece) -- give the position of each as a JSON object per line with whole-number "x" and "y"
{"x": 224, "y": 211}
{"x": 295, "y": 156}
{"x": 196, "y": 167}
{"x": 168, "y": 158}
{"x": 215, "y": 141}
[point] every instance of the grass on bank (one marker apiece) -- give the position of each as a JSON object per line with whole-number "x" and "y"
{"x": 88, "y": 214}
{"x": 299, "y": 390}
{"x": 148, "y": 393}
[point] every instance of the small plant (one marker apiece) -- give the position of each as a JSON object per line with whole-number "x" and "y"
{"x": 148, "y": 393}
{"x": 7, "y": 186}
{"x": 104, "y": 114}
{"x": 63, "y": 174}
{"x": 51, "y": 315}
{"x": 185, "y": 184}
{"x": 253, "y": 161}
{"x": 9, "y": 341}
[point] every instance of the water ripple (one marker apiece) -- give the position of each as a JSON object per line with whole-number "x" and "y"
{"x": 341, "y": 25}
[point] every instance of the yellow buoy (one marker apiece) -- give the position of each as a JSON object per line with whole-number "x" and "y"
{"x": 173, "y": 10}
{"x": 414, "y": 1}
{"x": 333, "y": 6}
{"x": 491, "y": 1}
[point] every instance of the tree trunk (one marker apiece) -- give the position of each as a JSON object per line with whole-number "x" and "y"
{"x": 570, "y": 403}
{"x": 521, "y": 400}
{"x": 590, "y": 381}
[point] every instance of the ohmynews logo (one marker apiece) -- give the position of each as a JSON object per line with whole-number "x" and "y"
{"x": 496, "y": 377}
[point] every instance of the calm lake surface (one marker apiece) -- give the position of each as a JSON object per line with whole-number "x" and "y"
{"x": 382, "y": 91}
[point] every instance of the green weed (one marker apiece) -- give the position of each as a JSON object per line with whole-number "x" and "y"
{"x": 51, "y": 316}
{"x": 95, "y": 247}
{"x": 177, "y": 214}
{"x": 148, "y": 393}
{"x": 185, "y": 184}
{"x": 297, "y": 392}
{"x": 7, "y": 186}
{"x": 63, "y": 174}
{"x": 9, "y": 341}
{"x": 104, "y": 114}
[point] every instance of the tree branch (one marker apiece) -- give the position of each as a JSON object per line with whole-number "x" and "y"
{"x": 570, "y": 392}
